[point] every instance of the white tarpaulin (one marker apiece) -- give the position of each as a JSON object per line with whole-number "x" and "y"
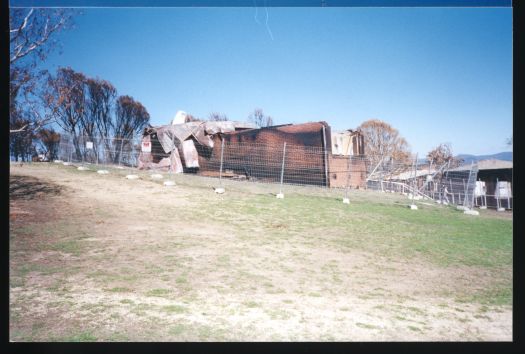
{"x": 179, "y": 118}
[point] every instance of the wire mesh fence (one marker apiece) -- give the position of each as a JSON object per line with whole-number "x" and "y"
{"x": 238, "y": 164}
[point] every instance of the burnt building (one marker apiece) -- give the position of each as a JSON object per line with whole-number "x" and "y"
{"x": 311, "y": 157}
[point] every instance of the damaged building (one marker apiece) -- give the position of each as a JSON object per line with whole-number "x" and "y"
{"x": 313, "y": 156}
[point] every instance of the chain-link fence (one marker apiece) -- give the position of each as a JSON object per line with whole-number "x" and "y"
{"x": 230, "y": 162}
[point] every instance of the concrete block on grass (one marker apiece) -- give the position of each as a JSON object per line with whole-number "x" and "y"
{"x": 471, "y": 212}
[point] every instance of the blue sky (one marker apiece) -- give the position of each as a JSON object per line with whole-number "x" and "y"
{"x": 436, "y": 74}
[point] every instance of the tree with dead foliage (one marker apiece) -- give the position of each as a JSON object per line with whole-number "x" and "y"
{"x": 441, "y": 155}
{"x": 32, "y": 36}
{"x": 383, "y": 141}
{"x": 130, "y": 119}
{"x": 66, "y": 95}
{"x": 21, "y": 144}
{"x": 258, "y": 118}
{"x": 49, "y": 142}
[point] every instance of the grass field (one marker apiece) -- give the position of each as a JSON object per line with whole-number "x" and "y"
{"x": 101, "y": 258}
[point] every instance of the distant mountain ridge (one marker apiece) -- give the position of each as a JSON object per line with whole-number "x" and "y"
{"x": 467, "y": 158}
{"x": 505, "y": 156}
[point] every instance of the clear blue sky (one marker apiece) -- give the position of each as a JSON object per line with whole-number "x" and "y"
{"x": 436, "y": 74}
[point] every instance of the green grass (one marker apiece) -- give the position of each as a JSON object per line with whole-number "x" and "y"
{"x": 158, "y": 292}
{"x": 366, "y": 325}
{"x": 174, "y": 309}
{"x": 441, "y": 235}
{"x": 80, "y": 337}
{"x": 118, "y": 290}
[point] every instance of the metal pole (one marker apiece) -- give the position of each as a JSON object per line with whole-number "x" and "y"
{"x": 496, "y": 194}
{"x": 414, "y": 185}
{"x": 282, "y": 168}
{"x": 345, "y": 200}
{"x": 120, "y": 153}
{"x": 325, "y": 158}
{"x": 222, "y": 156}
{"x": 466, "y": 191}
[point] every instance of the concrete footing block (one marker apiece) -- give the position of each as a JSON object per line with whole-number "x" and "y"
{"x": 169, "y": 183}
{"x": 413, "y": 207}
{"x": 58, "y": 161}
{"x": 82, "y": 168}
{"x": 280, "y": 196}
{"x": 157, "y": 176}
{"x": 66, "y": 163}
{"x": 132, "y": 177}
{"x": 471, "y": 212}
{"x": 103, "y": 172}
{"x": 346, "y": 201}
{"x": 461, "y": 207}
{"x": 483, "y": 207}
{"x": 501, "y": 209}
{"x": 219, "y": 190}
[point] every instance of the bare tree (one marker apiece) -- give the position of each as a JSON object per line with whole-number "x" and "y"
{"x": 217, "y": 117}
{"x": 258, "y": 118}
{"x": 382, "y": 140}
{"x": 32, "y": 36}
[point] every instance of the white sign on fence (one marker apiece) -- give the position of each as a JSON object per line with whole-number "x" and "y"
{"x": 89, "y": 145}
{"x": 146, "y": 146}
{"x": 503, "y": 190}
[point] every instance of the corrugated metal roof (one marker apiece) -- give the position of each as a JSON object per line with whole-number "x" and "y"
{"x": 288, "y": 128}
{"x": 492, "y": 164}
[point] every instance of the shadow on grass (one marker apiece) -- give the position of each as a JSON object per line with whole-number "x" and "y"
{"x": 27, "y": 188}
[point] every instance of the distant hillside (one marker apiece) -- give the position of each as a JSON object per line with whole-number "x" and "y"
{"x": 467, "y": 158}
{"x": 506, "y": 156}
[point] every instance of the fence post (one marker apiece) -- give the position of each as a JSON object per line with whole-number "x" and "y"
{"x": 496, "y": 194}
{"x": 464, "y": 191}
{"x": 220, "y": 189}
{"x": 413, "y": 206}
{"x": 170, "y": 181}
{"x": 465, "y": 200}
{"x": 345, "y": 199}
{"x": 281, "y": 195}
{"x": 131, "y": 175}
{"x": 120, "y": 153}
{"x": 222, "y": 161}
{"x": 327, "y": 181}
